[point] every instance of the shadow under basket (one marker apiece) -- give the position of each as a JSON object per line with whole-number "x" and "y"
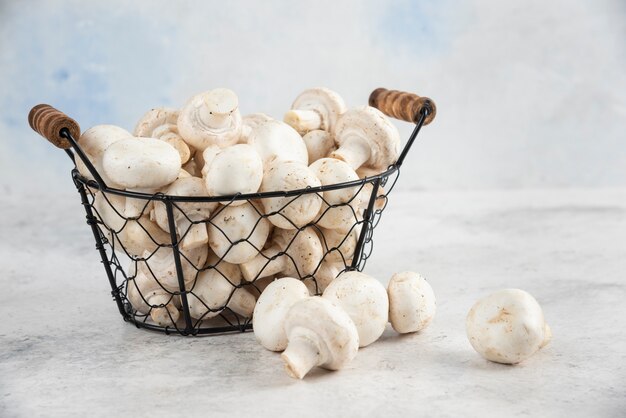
{"x": 171, "y": 268}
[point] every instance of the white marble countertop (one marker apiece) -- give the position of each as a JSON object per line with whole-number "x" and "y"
{"x": 65, "y": 351}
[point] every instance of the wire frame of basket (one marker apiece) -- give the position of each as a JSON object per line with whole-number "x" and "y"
{"x": 195, "y": 265}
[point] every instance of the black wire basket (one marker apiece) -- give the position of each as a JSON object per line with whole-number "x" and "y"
{"x": 161, "y": 284}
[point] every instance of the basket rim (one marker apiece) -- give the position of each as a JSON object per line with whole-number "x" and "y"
{"x": 236, "y": 197}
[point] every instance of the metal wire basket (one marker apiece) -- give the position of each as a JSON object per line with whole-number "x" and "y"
{"x": 171, "y": 288}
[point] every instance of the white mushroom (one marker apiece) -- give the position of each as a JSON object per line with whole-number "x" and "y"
{"x": 340, "y": 206}
{"x": 293, "y": 253}
{"x": 250, "y": 123}
{"x": 507, "y": 326}
{"x": 232, "y": 170}
{"x": 161, "y": 123}
{"x": 316, "y": 108}
{"x": 319, "y": 144}
{"x": 339, "y": 247}
{"x": 141, "y": 234}
{"x": 319, "y": 333}
{"x": 216, "y": 289}
{"x": 293, "y": 211}
{"x": 368, "y": 188}
{"x": 271, "y": 310}
{"x": 94, "y": 141}
{"x": 109, "y": 208}
{"x": 189, "y": 217}
{"x": 148, "y": 298}
{"x": 323, "y": 276}
{"x": 141, "y": 165}
{"x": 161, "y": 265}
{"x": 238, "y": 233}
{"x": 366, "y": 137}
{"x": 412, "y": 302}
{"x": 365, "y": 299}
{"x": 275, "y": 140}
{"x": 211, "y": 118}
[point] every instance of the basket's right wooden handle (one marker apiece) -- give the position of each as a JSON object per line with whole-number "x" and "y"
{"x": 48, "y": 122}
{"x": 402, "y": 105}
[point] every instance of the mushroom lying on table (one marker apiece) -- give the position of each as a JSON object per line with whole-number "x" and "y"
{"x": 141, "y": 165}
{"x": 290, "y": 212}
{"x": 412, "y": 303}
{"x": 363, "y": 298}
{"x": 271, "y": 310}
{"x": 238, "y": 233}
{"x": 211, "y": 118}
{"x": 315, "y": 108}
{"x": 161, "y": 123}
{"x": 319, "y": 333}
{"x": 365, "y": 136}
{"x": 507, "y": 326}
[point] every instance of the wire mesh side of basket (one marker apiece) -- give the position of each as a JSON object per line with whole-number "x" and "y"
{"x": 160, "y": 283}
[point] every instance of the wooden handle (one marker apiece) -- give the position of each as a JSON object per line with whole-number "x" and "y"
{"x": 402, "y": 105}
{"x": 48, "y": 122}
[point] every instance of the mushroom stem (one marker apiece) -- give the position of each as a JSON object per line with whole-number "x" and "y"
{"x": 263, "y": 265}
{"x": 193, "y": 235}
{"x": 242, "y": 303}
{"x": 354, "y": 151}
{"x": 303, "y": 352}
{"x": 303, "y": 120}
{"x": 214, "y": 119}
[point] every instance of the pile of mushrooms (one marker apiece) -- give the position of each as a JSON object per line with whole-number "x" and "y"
{"x": 285, "y": 260}
{"x": 234, "y": 246}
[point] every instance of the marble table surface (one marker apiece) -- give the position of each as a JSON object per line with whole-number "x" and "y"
{"x": 65, "y": 351}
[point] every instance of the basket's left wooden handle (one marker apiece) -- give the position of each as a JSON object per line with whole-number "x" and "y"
{"x": 48, "y": 122}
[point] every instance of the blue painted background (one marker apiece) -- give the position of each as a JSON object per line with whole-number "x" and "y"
{"x": 530, "y": 94}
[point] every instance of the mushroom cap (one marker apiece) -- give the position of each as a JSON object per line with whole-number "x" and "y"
{"x": 110, "y": 209}
{"x": 197, "y": 127}
{"x": 338, "y": 245}
{"x": 238, "y": 233}
{"x": 161, "y": 123}
{"x": 319, "y": 144}
{"x": 236, "y": 169}
{"x": 214, "y": 288}
{"x": 294, "y": 211}
{"x": 304, "y": 252}
{"x": 332, "y": 171}
{"x": 326, "y": 102}
{"x": 275, "y": 140}
{"x": 336, "y": 332}
{"x": 271, "y": 310}
{"x": 184, "y": 185}
{"x": 412, "y": 303}
{"x": 155, "y": 118}
{"x": 324, "y": 275}
{"x": 139, "y": 235}
{"x": 93, "y": 142}
{"x": 372, "y": 126}
{"x": 506, "y": 326}
{"x": 249, "y": 123}
{"x": 138, "y": 163}
{"x": 365, "y": 299}
{"x": 161, "y": 266}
